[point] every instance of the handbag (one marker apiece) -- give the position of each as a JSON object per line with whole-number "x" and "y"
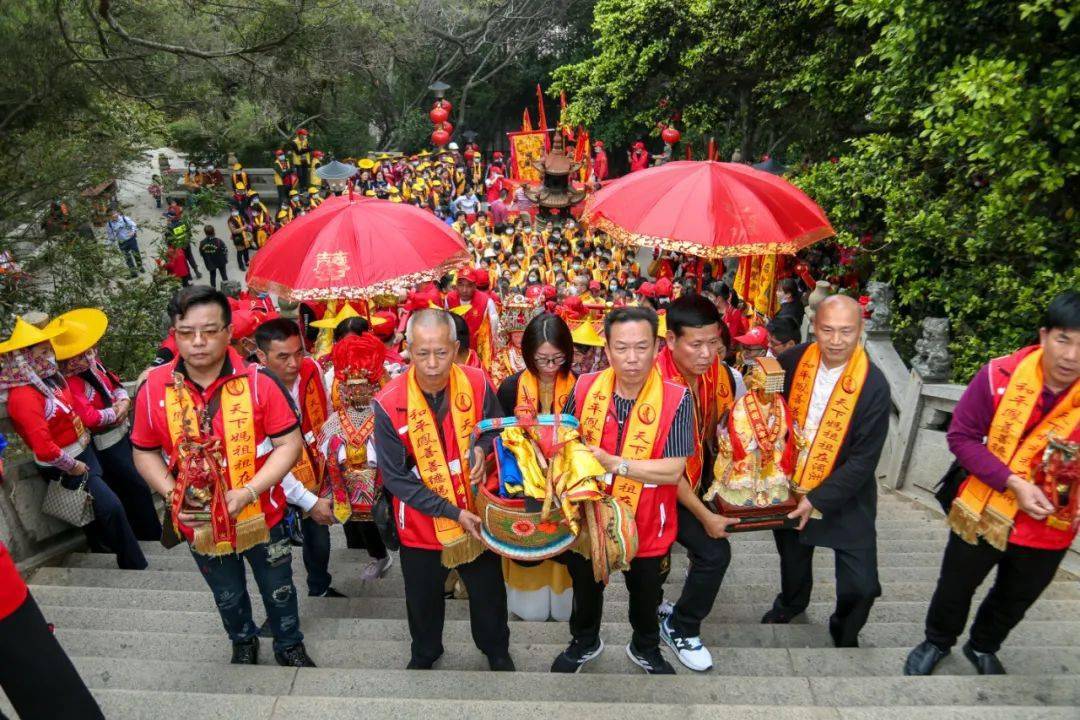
{"x": 383, "y": 515}
{"x": 75, "y": 506}
{"x": 949, "y": 485}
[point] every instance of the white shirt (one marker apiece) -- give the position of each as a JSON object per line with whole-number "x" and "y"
{"x": 824, "y": 383}
{"x": 295, "y": 492}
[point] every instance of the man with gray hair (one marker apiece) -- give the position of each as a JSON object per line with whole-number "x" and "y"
{"x": 424, "y": 420}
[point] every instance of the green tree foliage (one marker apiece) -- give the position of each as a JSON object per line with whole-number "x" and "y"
{"x": 946, "y": 131}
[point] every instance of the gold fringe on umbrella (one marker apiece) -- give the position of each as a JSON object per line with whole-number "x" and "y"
{"x": 626, "y": 237}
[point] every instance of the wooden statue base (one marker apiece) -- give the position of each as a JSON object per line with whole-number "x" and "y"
{"x": 758, "y": 518}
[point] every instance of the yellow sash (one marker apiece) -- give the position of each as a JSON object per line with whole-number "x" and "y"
{"x": 315, "y": 412}
{"x": 428, "y": 450}
{"x": 982, "y": 511}
{"x": 528, "y": 392}
{"x": 818, "y": 463}
{"x": 642, "y": 427}
{"x": 238, "y": 421}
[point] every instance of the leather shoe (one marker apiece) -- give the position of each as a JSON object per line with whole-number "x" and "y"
{"x": 422, "y": 664}
{"x": 985, "y": 663}
{"x": 502, "y": 663}
{"x": 775, "y": 617}
{"x": 246, "y": 652}
{"x": 923, "y": 658}
{"x": 295, "y": 656}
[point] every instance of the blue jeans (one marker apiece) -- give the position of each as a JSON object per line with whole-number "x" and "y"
{"x": 110, "y": 530}
{"x": 130, "y": 250}
{"x": 271, "y": 564}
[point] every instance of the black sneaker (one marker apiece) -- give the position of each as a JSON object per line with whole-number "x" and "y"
{"x": 923, "y": 658}
{"x": 985, "y": 663}
{"x": 501, "y": 664}
{"x": 295, "y": 656}
{"x": 651, "y": 662}
{"x": 246, "y": 652}
{"x": 775, "y": 617}
{"x": 574, "y": 657}
{"x": 329, "y": 593}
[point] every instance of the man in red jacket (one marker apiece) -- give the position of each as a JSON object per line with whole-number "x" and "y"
{"x": 1000, "y": 518}
{"x": 641, "y": 430}
{"x": 423, "y": 422}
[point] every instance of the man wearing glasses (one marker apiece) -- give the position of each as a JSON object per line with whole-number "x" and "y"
{"x": 215, "y": 436}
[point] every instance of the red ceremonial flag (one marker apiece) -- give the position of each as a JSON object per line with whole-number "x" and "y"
{"x": 689, "y": 152}
{"x": 526, "y": 121}
{"x": 712, "y": 149}
{"x": 540, "y": 108}
{"x": 582, "y": 149}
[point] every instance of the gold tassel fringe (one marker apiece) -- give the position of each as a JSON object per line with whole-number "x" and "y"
{"x": 964, "y": 523}
{"x": 995, "y": 528}
{"x": 464, "y": 550}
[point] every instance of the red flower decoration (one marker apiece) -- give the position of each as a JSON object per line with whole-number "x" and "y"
{"x": 523, "y": 528}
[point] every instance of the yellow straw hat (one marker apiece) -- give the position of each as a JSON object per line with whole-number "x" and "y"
{"x": 365, "y": 164}
{"x": 585, "y": 334}
{"x": 78, "y": 331}
{"x": 331, "y": 321}
{"x": 24, "y": 335}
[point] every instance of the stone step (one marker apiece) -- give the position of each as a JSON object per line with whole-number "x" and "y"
{"x": 757, "y": 555}
{"x": 689, "y": 688}
{"x": 350, "y": 566}
{"x": 886, "y": 610}
{"x": 537, "y": 657}
{"x": 149, "y": 705}
{"x": 392, "y": 586}
{"x": 1030, "y": 633}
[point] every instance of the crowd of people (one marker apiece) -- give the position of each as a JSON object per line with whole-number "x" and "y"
{"x": 262, "y": 426}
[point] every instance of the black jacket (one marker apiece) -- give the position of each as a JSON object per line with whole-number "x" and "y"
{"x": 847, "y": 499}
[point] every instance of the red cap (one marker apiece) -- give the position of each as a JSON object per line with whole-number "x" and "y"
{"x": 317, "y": 153}
{"x": 359, "y": 356}
{"x": 279, "y": 151}
{"x": 496, "y": 155}
{"x": 663, "y": 287}
{"x": 595, "y": 285}
{"x": 302, "y": 131}
{"x": 244, "y": 323}
{"x": 598, "y": 143}
{"x": 639, "y": 145}
{"x": 647, "y": 289}
{"x": 756, "y": 336}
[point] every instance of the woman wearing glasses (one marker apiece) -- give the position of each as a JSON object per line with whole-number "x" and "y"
{"x": 541, "y": 591}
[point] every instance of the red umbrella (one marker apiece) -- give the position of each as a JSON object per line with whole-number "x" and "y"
{"x": 708, "y": 209}
{"x": 354, "y": 249}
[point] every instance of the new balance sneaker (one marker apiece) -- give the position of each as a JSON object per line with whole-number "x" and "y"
{"x": 376, "y": 568}
{"x": 664, "y": 610}
{"x": 574, "y": 657}
{"x": 689, "y": 650}
{"x": 651, "y": 662}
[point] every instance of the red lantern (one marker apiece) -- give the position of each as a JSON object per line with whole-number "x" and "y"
{"x": 438, "y": 114}
{"x": 440, "y": 137}
{"x": 445, "y": 105}
{"x": 670, "y": 135}
{"x": 448, "y": 127}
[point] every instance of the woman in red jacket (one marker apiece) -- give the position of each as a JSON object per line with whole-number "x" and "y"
{"x": 42, "y": 412}
{"x": 104, "y": 407}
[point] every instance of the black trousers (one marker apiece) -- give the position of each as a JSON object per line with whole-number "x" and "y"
{"x": 709, "y": 560}
{"x": 643, "y": 582}
{"x": 426, "y": 606}
{"x": 364, "y": 535}
{"x": 118, "y": 470}
{"x": 1022, "y": 574}
{"x": 857, "y": 585}
{"x": 36, "y": 674}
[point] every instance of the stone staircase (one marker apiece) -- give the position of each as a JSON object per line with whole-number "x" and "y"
{"x": 150, "y": 645}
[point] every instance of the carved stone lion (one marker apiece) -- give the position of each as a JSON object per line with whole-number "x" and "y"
{"x": 933, "y": 361}
{"x": 881, "y": 295}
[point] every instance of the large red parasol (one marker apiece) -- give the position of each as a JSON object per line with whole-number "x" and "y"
{"x": 355, "y": 248}
{"x": 708, "y": 209}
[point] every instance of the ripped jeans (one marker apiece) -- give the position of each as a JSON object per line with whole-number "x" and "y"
{"x": 271, "y": 564}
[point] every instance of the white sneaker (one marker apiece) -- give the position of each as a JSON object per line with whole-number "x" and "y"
{"x": 376, "y": 568}
{"x": 689, "y": 650}
{"x": 665, "y": 609}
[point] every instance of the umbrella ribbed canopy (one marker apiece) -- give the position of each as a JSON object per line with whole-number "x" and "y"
{"x": 708, "y": 209}
{"x": 355, "y": 248}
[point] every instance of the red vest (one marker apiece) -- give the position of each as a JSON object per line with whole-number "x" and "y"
{"x": 657, "y": 522}
{"x": 415, "y": 529}
{"x": 1027, "y": 531}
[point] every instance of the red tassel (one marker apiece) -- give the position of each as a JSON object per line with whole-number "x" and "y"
{"x": 790, "y": 457}
{"x": 738, "y": 452}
